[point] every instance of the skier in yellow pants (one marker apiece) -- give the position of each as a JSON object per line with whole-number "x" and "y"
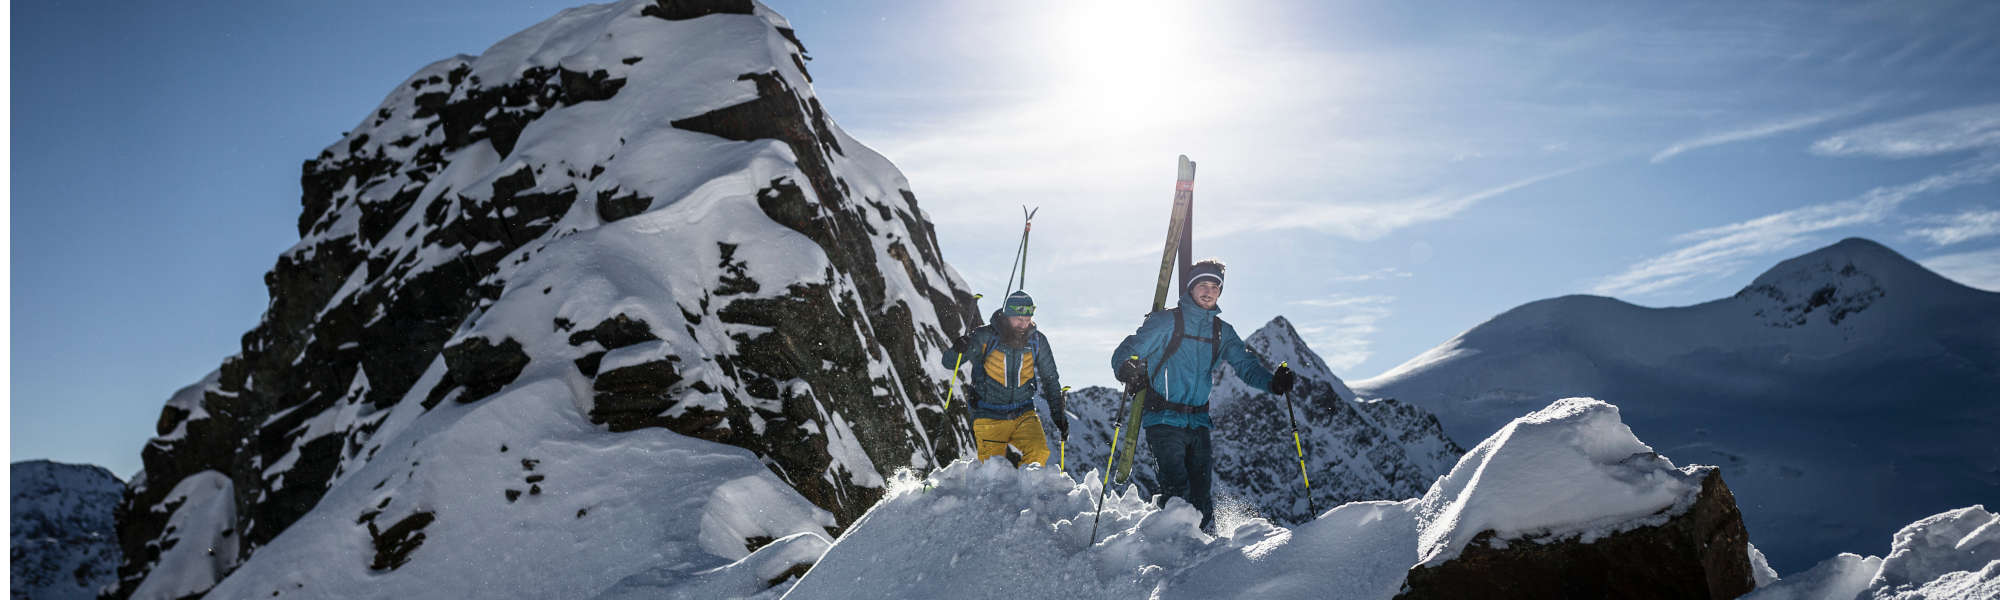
{"x": 1008, "y": 357}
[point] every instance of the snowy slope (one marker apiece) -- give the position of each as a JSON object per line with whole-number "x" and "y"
{"x": 1355, "y": 450}
{"x": 991, "y": 531}
{"x": 1953, "y": 554}
{"x": 62, "y": 541}
{"x": 1846, "y": 391}
{"x": 611, "y": 308}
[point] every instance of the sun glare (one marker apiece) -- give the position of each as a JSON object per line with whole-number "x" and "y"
{"x": 1124, "y": 61}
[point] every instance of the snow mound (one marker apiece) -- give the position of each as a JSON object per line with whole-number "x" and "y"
{"x": 1005, "y": 532}
{"x": 1571, "y": 469}
{"x": 1951, "y": 555}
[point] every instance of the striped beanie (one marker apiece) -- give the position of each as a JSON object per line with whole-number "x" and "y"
{"x": 1207, "y": 270}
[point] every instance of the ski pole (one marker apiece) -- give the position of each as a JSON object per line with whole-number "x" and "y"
{"x": 1107, "y": 470}
{"x": 1297, "y": 445}
{"x": 953, "y": 385}
{"x": 1062, "y": 447}
{"x": 1027, "y": 225}
{"x": 1021, "y": 252}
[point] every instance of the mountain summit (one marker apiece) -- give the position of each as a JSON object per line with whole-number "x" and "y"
{"x": 615, "y": 298}
{"x": 1845, "y": 392}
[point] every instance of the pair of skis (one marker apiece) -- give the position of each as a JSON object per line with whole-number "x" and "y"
{"x": 1180, "y": 244}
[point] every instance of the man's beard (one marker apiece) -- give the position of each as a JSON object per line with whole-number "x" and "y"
{"x": 1017, "y": 338}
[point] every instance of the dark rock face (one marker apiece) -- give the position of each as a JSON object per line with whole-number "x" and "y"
{"x": 1703, "y": 553}
{"x": 394, "y": 265}
{"x": 313, "y": 351}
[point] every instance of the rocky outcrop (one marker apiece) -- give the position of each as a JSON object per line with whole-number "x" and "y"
{"x": 1701, "y": 553}
{"x": 498, "y": 221}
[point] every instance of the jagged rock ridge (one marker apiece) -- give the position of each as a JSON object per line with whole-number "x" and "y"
{"x": 630, "y": 217}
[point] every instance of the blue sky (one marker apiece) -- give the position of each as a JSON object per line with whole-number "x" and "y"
{"x": 1383, "y": 175}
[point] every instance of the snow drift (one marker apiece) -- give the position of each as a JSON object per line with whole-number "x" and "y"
{"x": 1951, "y": 555}
{"x": 1569, "y": 473}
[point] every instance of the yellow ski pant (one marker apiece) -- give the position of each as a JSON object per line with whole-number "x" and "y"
{"x": 1023, "y": 432}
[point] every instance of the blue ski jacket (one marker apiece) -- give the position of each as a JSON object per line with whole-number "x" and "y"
{"x": 1183, "y": 379}
{"x": 1002, "y": 377}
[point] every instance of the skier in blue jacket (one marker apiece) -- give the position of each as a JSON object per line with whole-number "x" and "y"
{"x": 1170, "y": 357}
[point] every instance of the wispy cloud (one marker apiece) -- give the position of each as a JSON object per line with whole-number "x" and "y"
{"x": 1376, "y": 275}
{"x": 1977, "y": 269}
{"x": 1970, "y": 225}
{"x": 1756, "y": 131}
{"x": 1342, "y": 332}
{"x": 1721, "y": 251}
{"x": 1373, "y": 220}
{"x": 1941, "y": 132}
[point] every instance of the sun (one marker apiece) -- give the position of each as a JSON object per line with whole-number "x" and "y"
{"x": 1123, "y": 60}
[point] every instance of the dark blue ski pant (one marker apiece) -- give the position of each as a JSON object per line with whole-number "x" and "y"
{"x": 1186, "y": 466}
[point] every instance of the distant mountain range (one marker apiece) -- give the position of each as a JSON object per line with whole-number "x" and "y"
{"x": 63, "y": 542}
{"x": 1845, "y": 392}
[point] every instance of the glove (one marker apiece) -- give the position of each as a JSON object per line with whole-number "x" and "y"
{"x": 1059, "y": 414}
{"x": 1282, "y": 380}
{"x": 1132, "y": 371}
{"x": 958, "y": 346}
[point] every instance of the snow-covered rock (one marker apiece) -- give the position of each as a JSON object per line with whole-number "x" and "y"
{"x": 1565, "y": 502}
{"x": 62, "y": 541}
{"x": 990, "y": 530}
{"x": 613, "y": 300}
{"x": 1846, "y": 391}
{"x": 1355, "y": 449}
{"x": 1953, "y": 555}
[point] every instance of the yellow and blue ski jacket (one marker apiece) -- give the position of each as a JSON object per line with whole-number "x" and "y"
{"x": 1003, "y": 377}
{"x": 1183, "y": 380}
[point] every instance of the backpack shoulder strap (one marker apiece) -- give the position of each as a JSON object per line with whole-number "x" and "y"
{"x": 1214, "y": 342}
{"x": 1173, "y": 343}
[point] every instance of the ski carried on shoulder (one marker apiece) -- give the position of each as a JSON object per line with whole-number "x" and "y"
{"x": 1179, "y": 245}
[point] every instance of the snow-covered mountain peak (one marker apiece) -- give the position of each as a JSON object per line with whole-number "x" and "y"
{"x": 63, "y": 534}
{"x": 1829, "y": 285}
{"x": 1848, "y": 342}
{"x": 1278, "y": 342}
